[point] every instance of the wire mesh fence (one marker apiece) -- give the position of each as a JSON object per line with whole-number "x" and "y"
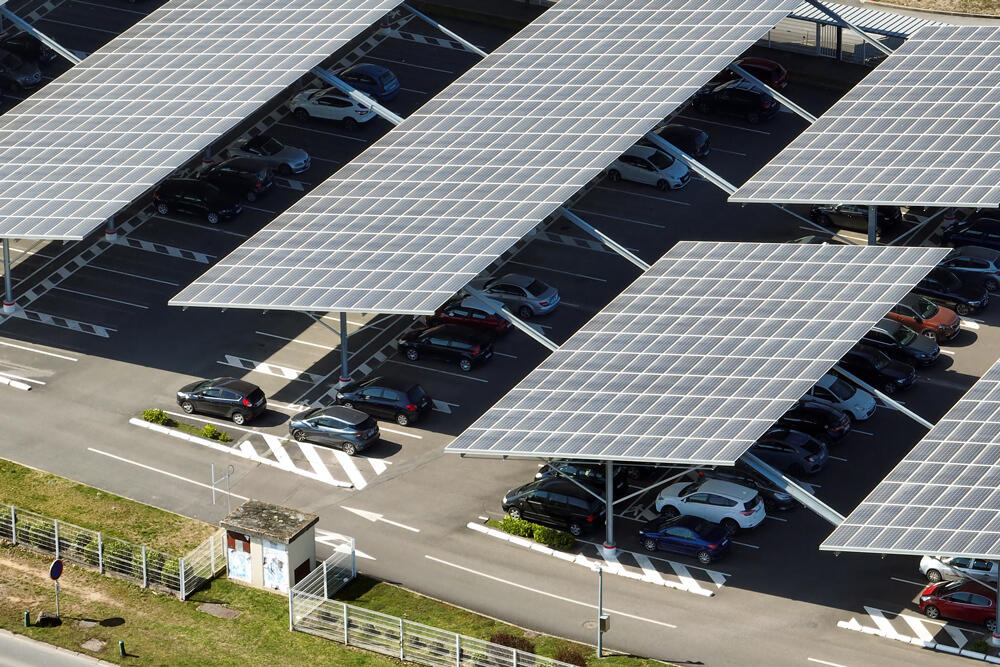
{"x": 82, "y": 546}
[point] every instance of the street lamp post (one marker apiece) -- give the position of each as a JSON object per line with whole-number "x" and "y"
{"x": 600, "y": 611}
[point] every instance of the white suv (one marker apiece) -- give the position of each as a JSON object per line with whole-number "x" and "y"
{"x": 729, "y": 504}
{"x": 330, "y": 104}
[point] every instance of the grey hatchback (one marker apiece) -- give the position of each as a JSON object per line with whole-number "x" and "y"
{"x": 524, "y": 295}
{"x": 349, "y": 429}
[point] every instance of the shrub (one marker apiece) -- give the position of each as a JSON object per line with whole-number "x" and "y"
{"x": 154, "y": 566}
{"x": 170, "y": 572}
{"x": 518, "y": 527}
{"x": 137, "y": 562}
{"x": 550, "y": 537}
{"x": 118, "y": 557}
{"x": 157, "y": 416}
{"x": 211, "y": 432}
{"x": 5, "y": 522}
{"x": 572, "y": 655}
{"x": 43, "y": 535}
{"x": 513, "y": 641}
{"x": 86, "y": 548}
{"x": 23, "y": 528}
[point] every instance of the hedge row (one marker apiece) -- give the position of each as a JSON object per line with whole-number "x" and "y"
{"x": 550, "y": 537}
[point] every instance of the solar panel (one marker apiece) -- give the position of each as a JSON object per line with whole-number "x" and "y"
{"x": 701, "y": 354}
{"x": 87, "y": 144}
{"x": 412, "y": 219}
{"x": 922, "y": 129}
{"x": 944, "y": 496}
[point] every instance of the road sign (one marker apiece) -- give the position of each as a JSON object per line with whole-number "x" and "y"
{"x": 56, "y": 569}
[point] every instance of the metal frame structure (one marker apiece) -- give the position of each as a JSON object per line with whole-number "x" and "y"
{"x": 39, "y": 35}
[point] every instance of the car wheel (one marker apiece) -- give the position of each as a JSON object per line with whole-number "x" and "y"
{"x": 187, "y": 406}
{"x": 213, "y": 218}
{"x": 649, "y": 544}
{"x": 669, "y": 512}
{"x": 575, "y": 529}
{"x": 991, "y": 624}
{"x": 933, "y": 576}
{"x": 350, "y": 449}
{"x": 962, "y": 309}
{"x": 299, "y": 435}
{"x": 614, "y": 176}
{"x": 162, "y": 208}
{"x": 930, "y": 333}
{"x": 753, "y": 117}
{"x": 889, "y": 389}
{"x": 403, "y": 419}
{"x": 991, "y": 284}
{"x": 251, "y": 196}
{"x": 730, "y": 526}
{"x": 412, "y": 354}
{"x": 932, "y": 611}
{"x": 465, "y": 365}
{"x": 350, "y": 124}
{"x": 704, "y": 557}
{"x": 662, "y": 185}
{"x": 284, "y": 170}
{"x": 301, "y": 114}
{"x": 239, "y": 418}
{"x": 514, "y": 513}
{"x": 524, "y": 312}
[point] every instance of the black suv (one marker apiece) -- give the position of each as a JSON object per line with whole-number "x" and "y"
{"x": 451, "y": 342}
{"x": 226, "y": 397}
{"x": 194, "y": 196}
{"x": 554, "y": 502}
{"x": 241, "y": 176}
{"x": 381, "y": 397}
{"x": 736, "y": 98}
{"x": 786, "y": 449}
{"x": 591, "y": 474}
{"x": 902, "y": 342}
{"x": 853, "y": 217}
{"x": 817, "y": 419}
{"x": 29, "y": 48}
{"x": 946, "y": 288}
{"x": 877, "y": 369}
{"x": 983, "y": 232}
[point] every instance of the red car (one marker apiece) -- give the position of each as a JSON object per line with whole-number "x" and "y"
{"x": 926, "y": 318}
{"x": 963, "y": 600}
{"x": 768, "y": 71}
{"x": 471, "y": 313}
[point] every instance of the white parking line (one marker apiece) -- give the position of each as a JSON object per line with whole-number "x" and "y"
{"x": 907, "y": 581}
{"x": 616, "y": 217}
{"x": 400, "y": 62}
{"x": 437, "y": 370}
{"x": 824, "y": 662}
{"x": 132, "y": 275}
{"x": 212, "y": 421}
{"x": 378, "y": 465}
{"x": 861, "y": 432}
{"x": 636, "y": 194}
{"x": 101, "y": 298}
{"x": 408, "y": 435}
{"x": 331, "y": 134}
{"x": 196, "y": 225}
{"x": 353, "y": 474}
{"x": 295, "y": 340}
{"x": 262, "y": 210}
{"x": 837, "y": 458}
{"x": 276, "y": 445}
{"x": 316, "y": 462}
{"x": 291, "y": 407}
{"x": 715, "y": 122}
{"x": 546, "y": 268}
{"x": 723, "y": 150}
{"x": 315, "y": 158}
{"x": 411, "y": 90}
{"x": 917, "y": 627}
{"x": 162, "y": 472}
{"x": 503, "y": 354}
{"x": 776, "y": 518}
{"x": 42, "y": 352}
{"x": 744, "y": 544}
{"x": 77, "y": 25}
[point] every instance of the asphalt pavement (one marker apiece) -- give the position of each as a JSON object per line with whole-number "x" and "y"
{"x": 18, "y": 651}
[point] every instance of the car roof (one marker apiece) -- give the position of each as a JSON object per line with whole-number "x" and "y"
{"x": 468, "y": 302}
{"x": 366, "y": 68}
{"x": 340, "y": 413}
{"x": 913, "y": 300}
{"x": 250, "y": 163}
{"x": 863, "y": 350}
{"x": 976, "y": 251}
{"x": 679, "y": 129}
{"x": 887, "y": 325}
{"x": 759, "y": 62}
{"x": 641, "y": 151}
{"x": 513, "y": 279}
{"x": 388, "y": 383}
{"x": 742, "y": 85}
{"x": 242, "y": 386}
{"x": 724, "y": 488}
{"x": 458, "y": 331}
{"x": 826, "y": 380}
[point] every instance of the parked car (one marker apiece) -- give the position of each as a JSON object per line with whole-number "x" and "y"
{"x": 689, "y": 139}
{"x": 197, "y": 197}
{"x": 373, "y": 80}
{"x": 470, "y": 311}
{"x": 876, "y": 368}
{"x": 945, "y": 288}
{"x": 768, "y": 71}
{"x": 337, "y": 426}
{"x": 644, "y": 164}
{"x": 283, "y": 159}
{"x": 791, "y": 451}
{"x": 555, "y": 502}
{"x": 854, "y": 217}
{"x": 28, "y": 47}
{"x": 736, "y": 98}
{"x": 226, "y": 397}
{"x": 462, "y": 345}
{"x": 820, "y": 420}
{"x": 330, "y": 104}
{"x": 926, "y": 318}
{"x": 245, "y": 177}
{"x": 981, "y": 265}
{"x": 403, "y": 402}
{"x": 902, "y": 342}
{"x": 523, "y": 295}
{"x": 946, "y": 567}
{"x": 743, "y": 475}
{"x": 591, "y": 474}
{"x": 686, "y": 535}
{"x": 983, "y": 232}
{"x": 725, "y": 503}
{"x": 15, "y": 72}
{"x": 964, "y": 600}
{"x": 831, "y": 390}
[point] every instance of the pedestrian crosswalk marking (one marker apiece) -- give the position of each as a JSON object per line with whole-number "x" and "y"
{"x": 882, "y": 622}
{"x": 684, "y": 575}
{"x": 910, "y": 628}
{"x": 648, "y": 569}
{"x": 613, "y": 565}
{"x": 278, "y": 450}
{"x": 918, "y": 627}
{"x": 269, "y": 369}
{"x": 315, "y": 461}
{"x": 957, "y": 636}
{"x": 347, "y": 463}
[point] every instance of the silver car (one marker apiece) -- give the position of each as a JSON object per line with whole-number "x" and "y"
{"x": 283, "y": 159}
{"x": 524, "y": 295}
{"x": 946, "y": 567}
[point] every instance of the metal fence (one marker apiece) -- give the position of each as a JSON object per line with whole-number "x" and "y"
{"x": 109, "y": 555}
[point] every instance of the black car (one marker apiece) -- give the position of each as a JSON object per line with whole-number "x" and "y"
{"x": 193, "y": 196}
{"x": 817, "y": 419}
{"x": 792, "y": 451}
{"x": 338, "y": 426}
{"x": 983, "y": 232}
{"x": 902, "y": 342}
{"x": 403, "y": 402}
{"x": 774, "y": 498}
{"x": 16, "y": 72}
{"x": 555, "y": 502}
{"x": 851, "y": 216}
{"x": 227, "y": 397}
{"x": 591, "y": 474}
{"x": 736, "y": 98}
{"x": 877, "y": 369}
{"x": 29, "y": 47}
{"x": 689, "y": 139}
{"x": 451, "y": 342}
{"x": 240, "y": 176}
{"x": 946, "y": 288}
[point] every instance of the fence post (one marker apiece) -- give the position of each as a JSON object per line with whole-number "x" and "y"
{"x": 211, "y": 552}
{"x": 346, "y": 635}
{"x": 100, "y": 554}
{"x": 401, "y": 651}
{"x": 354, "y": 561}
{"x": 513, "y": 661}
{"x": 145, "y": 577}
{"x": 291, "y": 611}
{"x": 13, "y": 525}
{"x": 458, "y": 650}
{"x": 326, "y": 585}
{"x": 55, "y": 533}
{"x": 180, "y": 575}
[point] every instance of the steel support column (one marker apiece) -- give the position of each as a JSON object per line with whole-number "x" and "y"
{"x": 807, "y": 499}
{"x": 8, "y": 283}
{"x": 498, "y": 308}
{"x": 40, "y": 36}
{"x": 872, "y": 225}
{"x": 860, "y": 33}
{"x": 774, "y": 93}
{"x": 899, "y": 240}
{"x": 110, "y": 233}
{"x": 994, "y": 639}
{"x": 357, "y": 95}
{"x": 609, "y": 502}
{"x": 603, "y": 238}
{"x": 467, "y": 44}
{"x": 885, "y": 399}
{"x": 345, "y": 376}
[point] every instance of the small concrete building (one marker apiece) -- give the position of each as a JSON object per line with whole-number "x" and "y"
{"x": 269, "y": 546}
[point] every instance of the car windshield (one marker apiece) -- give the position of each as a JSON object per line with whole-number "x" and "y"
{"x": 387, "y": 78}
{"x": 947, "y": 279}
{"x": 904, "y": 335}
{"x": 537, "y": 288}
{"x": 928, "y": 309}
{"x": 841, "y": 389}
{"x": 271, "y": 146}
{"x": 416, "y": 393}
{"x": 660, "y": 161}
{"x": 881, "y": 361}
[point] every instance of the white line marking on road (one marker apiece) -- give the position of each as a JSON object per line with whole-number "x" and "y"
{"x": 291, "y": 407}
{"x": 277, "y": 448}
{"x": 968, "y": 324}
{"x": 684, "y": 575}
{"x": 212, "y": 421}
{"x": 162, "y": 472}
{"x": 400, "y": 62}
{"x": 117, "y": 9}
{"x": 209, "y": 227}
{"x": 323, "y": 159}
{"x": 342, "y": 543}
{"x": 18, "y": 377}
{"x": 776, "y": 518}
{"x": 715, "y": 122}
{"x": 99, "y": 297}
{"x": 616, "y": 217}
{"x": 408, "y": 435}
{"x": 957, "y": 636}
{"x": 572, "y": 305}
{"x": 378, "y": 465}
{"x": 326, "y": 132}
{"x": 268, "y": 369}
{"x": 248, "y": 450}
{"x": 948, "y": 352}
{"x": 883, "y": 623}
{"x": 262, "y": 210}
{"x": 918, "y": 627}
{"x": 375, "y": 516}
{"x": 296, "y": 340}
{"x": 443, "y": 406}
{"x": 588, "y": 605}
{"x": 31, "y": 349}
{"x": 744, "y": 544}
{"x": 861, "y": 432}
{"x": 436, "y": 370}
{"x": 636, "y": 194}
{"x": 502, "y": 354}
{"x": 132, "y": 275}
{"x": 353, "y": 474}
{"x": 411, "y": 90}
{"x": 77, "y": 25}
{"x": 548, "y": 268}
{"x": 838, "y": 458}
{"x": 613, "y": 566}
{"x": 648, "y": 570}
{"x": 972, "y": 319}
{"x": 824, "y": 662}
{"x": 907, "y": 581}
{"x": 723, "y": 150}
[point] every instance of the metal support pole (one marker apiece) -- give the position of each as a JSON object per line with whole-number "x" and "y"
{"x": 609, "y": 501}
{"x": 932, "y": 218}
{"x": 819, "y": 228}
{"x": 346, "y": 626}
{"x": 13, "y": 525}
{"x": 326, "y": 585}
{"x": 291, "y": 611}
{"x": 145, "y": 578}
{"x": 345, "y": 376}
{"x": 402, "y": 653}
{"x": 213, "y": 482}
{"x": 55, "y": 534}
{"x": 885, "y": 399}
{"x": 8, "y": 281}
{"x": 110, "y": 233}
{"x": 861, "y": 33}
{"x": 57, "y": 599}
{"x": 603, "y": 238}
{"x": 357, "y": 95}
{"x": 319, "y": 320}
{"x": 872, "y": 225}
{"x": 774, "y": 93}
{"x": 469, "y": 45}
{"x": 180, "y": 577}
{"x": 100, "y": 554}
{"x": 458, "y": 650}
{"x": 354, "y": 560}
{"x": 600, "y": 611}
{"x": 782, "y": 482}
{"x": 499, "y": 309}
{"x": 40, "y": 36}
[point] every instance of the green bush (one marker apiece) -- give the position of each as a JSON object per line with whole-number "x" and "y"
{"x": 571, "y": 655}
{"x": 43, "y": 535}
{"x": 137, "y": 562}
{"x": 556, "y": 539}
{"x": 513, "y": 641}
{"x": 5, "y": 521}
{"x": 23, "y": 528}
{"x": 154, "y": 566}
{"x": 86, "y": 548}
{"x": 157, "y": 416}
{"x": 118, "y": 557}
{"x": 169, "y": 576}
{"x": 518, "y": 527}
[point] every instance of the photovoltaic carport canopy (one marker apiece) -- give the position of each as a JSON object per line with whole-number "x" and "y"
{"x": 412, "y": 219}
{"x": 923, "y": 129}
{"x": 944, "y": 497}
{"x": 701, "y": 354}
{"x": 83, "y": 147}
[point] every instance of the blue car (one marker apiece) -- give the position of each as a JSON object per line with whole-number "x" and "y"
{"x": 373, "y": 80}
{"x": 687, "y": 535}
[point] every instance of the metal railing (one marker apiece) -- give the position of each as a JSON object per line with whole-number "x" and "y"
{"x": 109, "y": 555}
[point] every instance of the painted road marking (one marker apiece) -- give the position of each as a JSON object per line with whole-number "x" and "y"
{"x": 824, "y": 662}
{"x": 957, "y": 636}
{"x": 326, "y": 132}
{"x": 132, "y": 275}
{"x": 353, "y": 474}
{"x": 918, "y": 627}
{"x": 615, "y": 217}
{"x": 43, "y": 352}
{"x": 406, "y": 64}
{"x": 296, "y": 340}
{"x": 722, "y": 150}
{"x": 968, "y": 324}
{"x": 684, "y": 575}
{"x": 648, "y": 569}
{"x": 443, "y": 406}
{"x": 315, "y": 461}
{"x": 277, "y": 448}
{"x": 161, "y": 249}
{"x": 261, "y": 210}
{"x": 18, "y": 377}
{"x": 375, "y": 516}
{"x": 208, "y": 227}
{"x": 64, "y": 323}
{"x": 162, "y": 472}
{"x": 547, "y": 268}
{"x": 291, "y": 183}
{"x": 715, "y": 122}
{"x": 408, "y": 435}
{"x": 339, "y": 543}
{"x": 100, "y": 298}
{"x": 882, "y": 622}
{"x": 269, "y": 369}
{"x": 636, "y": 194}
{"x": 378, "y": 465}
{"x": 436, "y": 370}
{"x": 907, "y": 581}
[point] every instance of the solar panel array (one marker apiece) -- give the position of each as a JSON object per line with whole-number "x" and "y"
{"x": 412, "y": 219}
{"x": 944, "y": 496}
{"x": 87, "y": 144}
{"x": 701, "y": 354}
{"x": 922, "y": 129}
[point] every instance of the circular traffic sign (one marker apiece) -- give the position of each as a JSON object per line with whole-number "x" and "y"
{"x": 55, "y": 570}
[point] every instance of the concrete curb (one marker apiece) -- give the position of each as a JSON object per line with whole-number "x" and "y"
{"x": 60, "y": 649}
{"x": 580, "y": 559}
{"x": 16, "y": 384}
{"x": 933, "y": 646}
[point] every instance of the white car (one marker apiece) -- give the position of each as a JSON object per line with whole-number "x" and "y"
{"x": 936, "y": 568}
{"x": 330, "y": 104}
{"x": 729, "y": 504}
{"x": 645, "y": 164}
{"x": 832, "y": 390}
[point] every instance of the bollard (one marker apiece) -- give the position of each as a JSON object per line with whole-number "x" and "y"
{"x": 121, "y": 649}
{"x": 27, "y": 620}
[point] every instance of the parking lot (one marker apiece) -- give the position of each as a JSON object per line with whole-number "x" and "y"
{"x": 97, "y": 344}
